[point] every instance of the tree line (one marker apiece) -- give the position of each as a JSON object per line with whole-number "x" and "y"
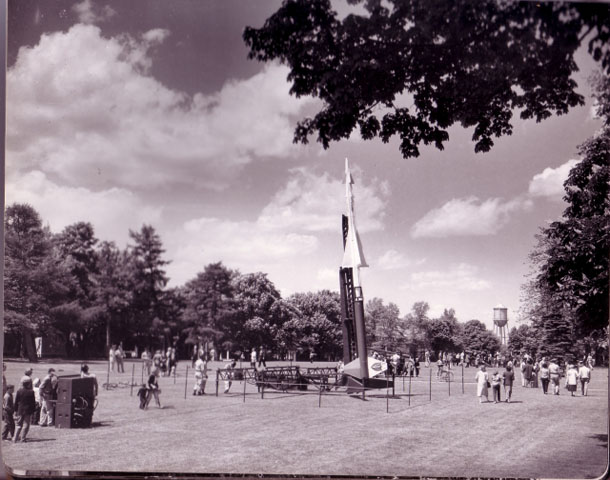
{"x": 90, "y": 294}
{"x": 565, "y": 299}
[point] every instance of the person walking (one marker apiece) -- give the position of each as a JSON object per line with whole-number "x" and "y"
{"x": 554, "y": 373}
{"x": 571, "y": 379}
{"x": 584, "y": 373}
{"x": 8, "y": 409}
{"x": 482, "y": 380}
{"x": 508, "y": 378}
{"x": 229, "y": 379}
{"x": 152, "y": 387}
{"x": 112, "y": 357}
{"x": 253, "y": 358}
{"x": 48, "y": 389}
{"x": 25, "y": 404}
{"x": 496, "y": 380}
{"x": 545, "y": 377}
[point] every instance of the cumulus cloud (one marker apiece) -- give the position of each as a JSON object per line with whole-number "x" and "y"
{"x": 88, "y": 12}
{"x": 315, "y": 203}
{"x": 113, "y": 211}
{"x": 550, "y": 182}
{"x": 392, "y": 260}
{"x": 457, "y": 277}
{"x": 78, "y": 101}
{"x": 239, "y": 244}
{"x": 468, "y": 216}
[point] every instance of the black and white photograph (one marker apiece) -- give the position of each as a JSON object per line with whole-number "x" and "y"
{"x": 306, "y": 237}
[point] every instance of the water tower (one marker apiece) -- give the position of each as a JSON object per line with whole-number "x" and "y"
{"x": 500, "y": 323}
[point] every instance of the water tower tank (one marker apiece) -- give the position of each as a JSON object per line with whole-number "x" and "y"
{"x": 500, "y": 315}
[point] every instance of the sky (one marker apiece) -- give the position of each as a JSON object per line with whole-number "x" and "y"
{"x": 149, "y": 112}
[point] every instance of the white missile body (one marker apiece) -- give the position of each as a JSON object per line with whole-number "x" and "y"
{"x": 353, "y": 257}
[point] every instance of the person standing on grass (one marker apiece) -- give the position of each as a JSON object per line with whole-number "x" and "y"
{"x": 201, "y": 376}
{"x": 554, "y": 373}
{"x": 84, "y": 373}
{"x": 527, "y": 371}
{"x": 253, "y": 358}
{"x": 482, "y": 380}
{"x": 496, "y": 380}
{"x": 112, "y": 357}
{"x": 427, "y": 359}
{"x": 584, "y": 373}
{"x": 545, "y": 377}
{"x": 508, "y": 377}
{"x": 8, "y": 409}
{"x": 229, "y": 380}
{"x": 25, "y": 404}
{"x": 439, "y": 366}
{"x": 152, "y": 387}
{"x": 261, "y": 357}
{"x": 119, "y": 354}
{"x": 571, "y": 379}
{"x": 48, "y": 389}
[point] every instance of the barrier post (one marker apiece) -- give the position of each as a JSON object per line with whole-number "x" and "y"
{"x": 217, "y": 372}
{"x": 245, "y": 390}
{"x": 430, "y": 384}
{"x": 320, "y": 398}
{"x": 262, "y": 391}
{"x": 462, "y": 377}
{"x": 403, "y": 381}
{"x": 133, "y": 372}
{"x": 449, "y": 381}
{"x": 409, "y": 391}
{"x": 387, "y": 394}
{"x": 393, "y": 385}
{"x": 175, "y": 374}
{"x": 186, "y": 380}
{"x": 108, "y": 377}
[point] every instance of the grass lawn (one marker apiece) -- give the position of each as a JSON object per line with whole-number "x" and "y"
{"x": 289, "y": 433}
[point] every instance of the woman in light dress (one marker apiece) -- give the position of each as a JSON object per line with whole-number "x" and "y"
{"x": 482, "y": 379}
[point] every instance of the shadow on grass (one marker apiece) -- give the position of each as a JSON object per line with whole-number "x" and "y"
{"x": 601, "y": 437}
{"x": 106, "y": 423}
{"x": 36, "y": 440}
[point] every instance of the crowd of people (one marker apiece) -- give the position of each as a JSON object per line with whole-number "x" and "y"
{"x": 33, "y": 403}
{"x": 535, "y": 372}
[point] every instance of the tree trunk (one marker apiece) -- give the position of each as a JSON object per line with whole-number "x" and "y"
{"x": 107, "y": 334}
{"x": 28, "y": 345}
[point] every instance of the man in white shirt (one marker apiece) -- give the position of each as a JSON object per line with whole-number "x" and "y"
{"x": 584, "y": 373}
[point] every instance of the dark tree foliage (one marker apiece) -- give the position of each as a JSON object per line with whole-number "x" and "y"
{"x": 523, "y": 339}
{"x": 113, "y": 290}
{"x": 259, "y": 312}
{"x": 572, "y": 255}
{"x": 556, "y": 335}
{"x": 413, "y": 68}
{"x": 316, "y": 323}
{"x": 477, "y": 340}
{"x": 444, "y": 333}
{"x": 76, "y": 244}
{"x": 148, "y": 276}
{"x": 35, "y": 280}
{"x": 209, "y": 305}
